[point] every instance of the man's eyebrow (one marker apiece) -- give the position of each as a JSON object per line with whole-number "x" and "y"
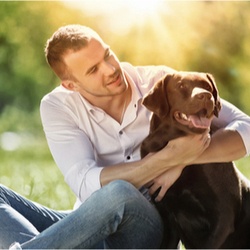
{"x": 92, "y": 67}
{"x": 107, "y": 50}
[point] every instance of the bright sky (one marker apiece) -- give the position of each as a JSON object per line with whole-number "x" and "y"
{"x": 120, "y": 13}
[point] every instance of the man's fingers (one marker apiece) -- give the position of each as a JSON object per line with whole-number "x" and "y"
{"x": 160, "y": 194}
{"x": 153, "y": 189}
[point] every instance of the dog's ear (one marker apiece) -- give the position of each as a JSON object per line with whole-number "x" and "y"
{"x": 156, "y": 100}
{"x": 216, "y": 96}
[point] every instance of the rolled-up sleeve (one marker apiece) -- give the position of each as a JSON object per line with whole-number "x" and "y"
{"x": 231, "y": 118}
{"x": 83, "y": 178}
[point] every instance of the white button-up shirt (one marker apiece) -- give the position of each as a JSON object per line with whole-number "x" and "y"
{"x": 83, "y": 138}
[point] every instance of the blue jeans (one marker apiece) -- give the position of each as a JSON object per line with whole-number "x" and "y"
{"x": 116, "y": 216}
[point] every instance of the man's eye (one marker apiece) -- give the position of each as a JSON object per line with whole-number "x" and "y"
{"x": 93, "y": 70}
{"x": 108, "y": 54}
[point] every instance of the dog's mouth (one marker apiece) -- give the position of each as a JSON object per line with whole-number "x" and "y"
{"x": 200, "y": 120}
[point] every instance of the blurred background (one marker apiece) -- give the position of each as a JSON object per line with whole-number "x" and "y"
{"x": 203, "y": 36}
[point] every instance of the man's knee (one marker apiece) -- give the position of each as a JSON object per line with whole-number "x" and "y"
{"x": 122, "y": 190}
{"x": 2, "y": 194}
{"x": 120, "y": 186}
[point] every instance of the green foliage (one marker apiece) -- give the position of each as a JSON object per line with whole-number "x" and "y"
{"x": 208, "y": 36}
{"x": 25, "y": 26}
{"x": 20, "y": 54}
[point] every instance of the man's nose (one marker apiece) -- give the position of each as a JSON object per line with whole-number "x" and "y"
{"x": 108, "y": 68}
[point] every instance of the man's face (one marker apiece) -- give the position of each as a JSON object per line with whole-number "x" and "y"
{"x": 96, "y": 70}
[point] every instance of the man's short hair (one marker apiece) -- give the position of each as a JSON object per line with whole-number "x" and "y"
{"x": 67, "y": 38}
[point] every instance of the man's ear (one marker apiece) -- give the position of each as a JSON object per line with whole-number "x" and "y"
{"x": 68, "y": 84}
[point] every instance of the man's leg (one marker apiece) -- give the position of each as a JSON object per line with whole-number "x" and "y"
{"x": 117, "y": 214}
{"x": 21, "y": 219}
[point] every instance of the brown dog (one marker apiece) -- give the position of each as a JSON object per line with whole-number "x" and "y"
{"x": 209, "y": 205}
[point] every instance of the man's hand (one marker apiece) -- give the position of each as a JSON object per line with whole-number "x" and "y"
{"x": 164, "y": 182}
{"x": 186, "y": 149}
{"x": 179, "y": 152}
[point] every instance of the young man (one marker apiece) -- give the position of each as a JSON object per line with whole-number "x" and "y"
{"x": 94, "y": 123}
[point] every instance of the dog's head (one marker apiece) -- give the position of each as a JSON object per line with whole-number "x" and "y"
{"x": 189, "y": 99}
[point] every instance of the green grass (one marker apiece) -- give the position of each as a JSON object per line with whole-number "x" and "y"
{"x": 244, "y": 166}
{"x": 29, "y": 168}
{"x": 31, "y": 171}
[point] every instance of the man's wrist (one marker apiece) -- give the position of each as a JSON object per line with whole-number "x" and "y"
{"x": 164, "y": 160}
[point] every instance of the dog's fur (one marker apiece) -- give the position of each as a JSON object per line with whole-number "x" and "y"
{"x": 209, "y": 205}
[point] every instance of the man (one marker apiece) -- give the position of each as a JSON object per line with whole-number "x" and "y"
{"x": 94, "y": 123}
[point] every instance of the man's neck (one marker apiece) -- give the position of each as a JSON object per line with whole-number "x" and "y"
{"x": 117, "y": 106}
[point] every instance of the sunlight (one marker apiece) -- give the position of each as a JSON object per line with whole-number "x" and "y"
{"x": 141, "y": 10}
{"x": 120, "y": 14}
{"x": 143, "y": 7}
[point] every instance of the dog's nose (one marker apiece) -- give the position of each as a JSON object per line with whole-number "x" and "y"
{"x": 201, "y": 94}
{"x": 204, "y": 95}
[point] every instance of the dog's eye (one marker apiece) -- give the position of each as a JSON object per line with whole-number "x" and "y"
{"x": 208, "y": 88}
{"x": 182, "y": 86}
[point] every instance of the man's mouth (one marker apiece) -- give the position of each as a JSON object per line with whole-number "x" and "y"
{"x": 199, "y": 120}
{"x": 115, "y": 79}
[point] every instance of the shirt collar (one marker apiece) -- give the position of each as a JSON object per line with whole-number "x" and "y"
{"x": 136, "y": 93}
{"x": 97, "y": 113}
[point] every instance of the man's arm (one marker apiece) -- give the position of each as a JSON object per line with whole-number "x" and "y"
{"x": 179, "y": 151}
{"x": 226, "y": 145}
{"x": 231, "y": 141}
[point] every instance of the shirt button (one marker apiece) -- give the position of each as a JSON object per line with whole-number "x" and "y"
{"x": 120, "y": 132}
{"x": 128, "y": 157}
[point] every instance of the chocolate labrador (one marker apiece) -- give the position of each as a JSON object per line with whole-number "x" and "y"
{"x": 209, "y": 205}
